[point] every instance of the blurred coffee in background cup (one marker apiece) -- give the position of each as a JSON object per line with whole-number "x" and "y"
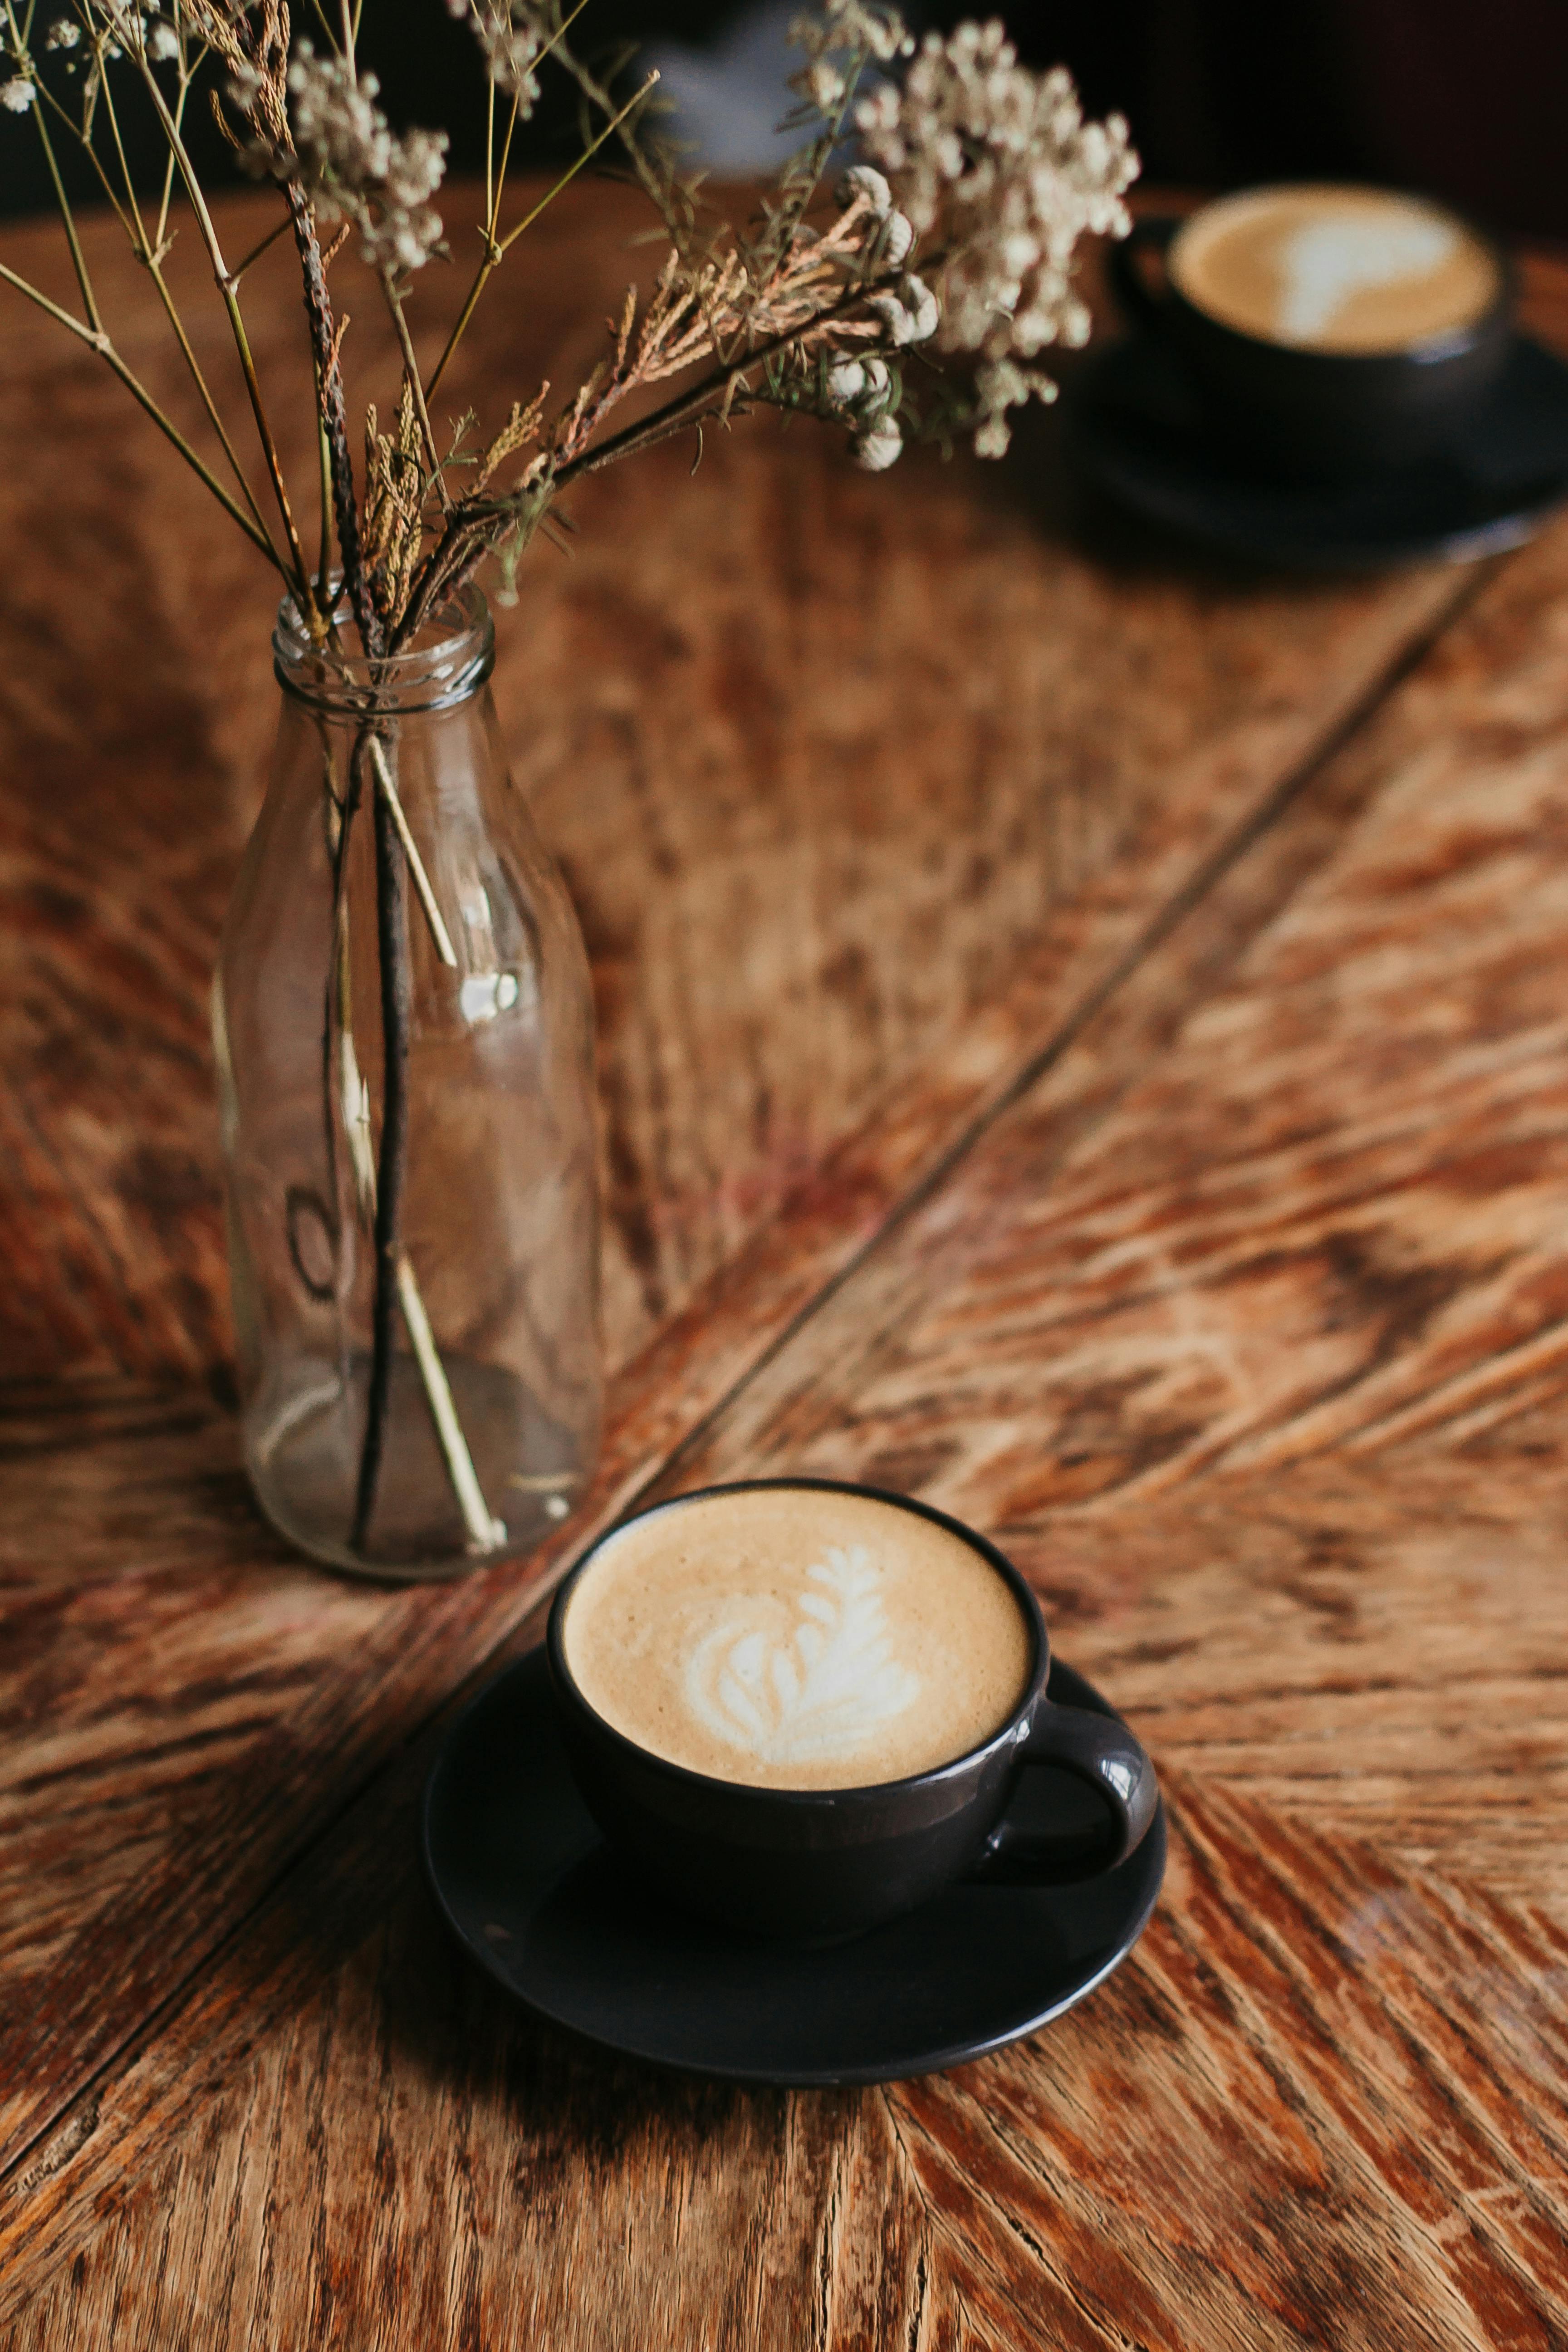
{"x": 1330, "y": 330}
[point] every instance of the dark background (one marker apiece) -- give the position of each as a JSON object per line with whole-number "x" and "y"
{"x": 1465, "y": 98}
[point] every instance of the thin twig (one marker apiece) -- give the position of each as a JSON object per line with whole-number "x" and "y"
{"x": 208, "y": 403}
{"x": 131, "y": 222}
{"x": 281, "y": 228}
{"x": 411, "y": 377}
{"x": 302, "y": 575}
{"x": 392, "y": 940}
{"x": 138, "y": 228}
{"x": 47, "y": 98}
{"x": 485, "y": 1533}
{"x": 496, "y": 249}
{"x": 79, "y": 260}
{"x": 99, "y": 341}
{"x": 653, "y": 185}
{"x": 324, "y": 565}
{"x": 188, "y": 73}
{"x": 433, "y": 915}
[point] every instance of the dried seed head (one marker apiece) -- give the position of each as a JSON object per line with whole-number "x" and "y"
{"x": 880, "y": 447}
{"x": 869, "y": 186}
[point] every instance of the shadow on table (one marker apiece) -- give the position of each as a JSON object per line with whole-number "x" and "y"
{"x": 472, "y": 2045}
{"x": 1039, "y": 482}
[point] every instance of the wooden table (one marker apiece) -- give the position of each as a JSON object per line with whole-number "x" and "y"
{"x": 1084, "y": 1039}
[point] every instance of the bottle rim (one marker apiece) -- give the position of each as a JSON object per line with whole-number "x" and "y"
{"x": 450, "y": 661}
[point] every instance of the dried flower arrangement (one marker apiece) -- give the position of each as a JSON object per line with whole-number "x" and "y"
{"x": 951, "y": 234}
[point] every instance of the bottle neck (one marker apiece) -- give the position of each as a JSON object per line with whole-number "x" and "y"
{"x": 447, "y": 664}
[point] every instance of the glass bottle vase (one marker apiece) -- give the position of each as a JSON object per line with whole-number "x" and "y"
{"x": 404, "y": 1037}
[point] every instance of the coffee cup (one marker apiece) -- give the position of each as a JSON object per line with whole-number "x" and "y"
{"x": 803, "y": 1708}
{"x": 1332, "y": 331}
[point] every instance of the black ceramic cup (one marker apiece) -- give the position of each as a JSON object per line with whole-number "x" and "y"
{"x": 815, "y": 1863}
{"x": 1316, "y": 415}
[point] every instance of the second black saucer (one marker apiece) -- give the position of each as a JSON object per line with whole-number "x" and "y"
{"x": 552, "y": 1914}
{"x": 1136, "y": 433}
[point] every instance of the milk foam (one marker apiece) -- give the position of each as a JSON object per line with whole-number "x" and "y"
{"x": 796, "y": 1637}
{"x": 1324, "y": 263}
{"x": 819, "y": 1693}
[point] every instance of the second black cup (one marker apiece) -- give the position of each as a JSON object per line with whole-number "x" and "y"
{"x": 1330, "y": 331}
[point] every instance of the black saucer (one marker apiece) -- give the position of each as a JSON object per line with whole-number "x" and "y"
{"x": 539, "y": 1900}
{"x": 1136, "y": 433}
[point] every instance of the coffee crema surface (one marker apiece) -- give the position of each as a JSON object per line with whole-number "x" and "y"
{"x": 1334, "y": 270}
{"x": 791, "y": 1638}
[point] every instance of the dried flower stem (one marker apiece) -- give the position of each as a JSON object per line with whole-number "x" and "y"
{"x": 392, "y": 844}
{"x": 497, "y": 249}
{"x": 79, "y": 260}
{"x": 484, "y": 1532}
{"x": 392, "y": 940}
{"x": 334, "y": 419}
{"x": 100, "y": 342}
{"x": 717, "y": 392}
{"x": 149, "y": 255}
{"x": 299, "y": 576}
{"x": 433, "y": 915}
{"x": 411, "y": 377}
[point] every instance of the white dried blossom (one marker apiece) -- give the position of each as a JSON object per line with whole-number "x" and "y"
{"x": 847, "y": 24}
{"x": 894, "y": 235}
{"x": 837, "y": 40}
{"x": 999, "y": 162}
{"x": 861, "y": 183}
{"x": 514, "y": 35}
{"x": 162, "y": 42}
{"x": 880, "y": 447}
{"x": 1000, "y": 386}
{"x": 846, "y": 381}
{"x": 910, "y": 315}
{"x": 17, "y": 94}
{"x": 63, "y": 34}
{"x": 858, "y": 384}
{"x": 898, "y": 236}
{"x": 862, "y": 389}
{"x": 346, "y": 155}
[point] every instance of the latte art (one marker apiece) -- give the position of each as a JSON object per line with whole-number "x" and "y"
{"x": 819, "y": 1693}
{"x": 1322, "y": 264}
{"x": 796, "y": 1637}
{"x": 1335, "y": 270}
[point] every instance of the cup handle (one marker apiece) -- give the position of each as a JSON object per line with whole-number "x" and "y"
{"x": 1096, "y": 1749}
{"x": 1150, "y": 231}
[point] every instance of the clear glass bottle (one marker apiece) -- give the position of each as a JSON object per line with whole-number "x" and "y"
{"x": 404, "y": 1036}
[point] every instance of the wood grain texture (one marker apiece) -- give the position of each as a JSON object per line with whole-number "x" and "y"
{"x": 1186, "y": 1213}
